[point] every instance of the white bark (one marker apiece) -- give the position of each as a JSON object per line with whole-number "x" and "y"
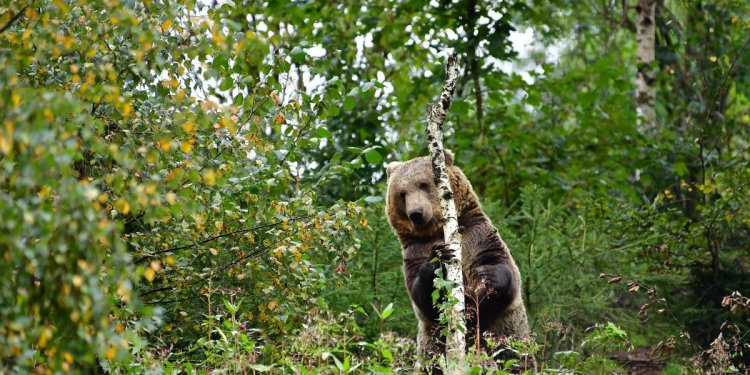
{"x": 455, "y": 342}
{"x": 645, "y": 91}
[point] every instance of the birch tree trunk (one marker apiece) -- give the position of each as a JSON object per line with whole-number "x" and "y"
{"x": 455, "y": 342}
{"x": 645, "y": 91}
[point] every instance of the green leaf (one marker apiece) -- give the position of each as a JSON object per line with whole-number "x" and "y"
{"x": 226, "y": 84}
{"x": 387, "y": 355}
{"x": 388, "y": 311}
{"x": 260, "y": 368}
{"x": 298, "y": 55}
{"x": 349, "y": 103}
{"x": 220, "y": 62}
{"x": 373, "y": 157}
{"x": 339, "y": 365}
{"x": 336, "y": 157}
{"x": 322, "y": 132}
{"x": 460, "y": 107}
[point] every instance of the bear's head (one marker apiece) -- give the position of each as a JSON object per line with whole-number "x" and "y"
{"x": 412, "y": 204}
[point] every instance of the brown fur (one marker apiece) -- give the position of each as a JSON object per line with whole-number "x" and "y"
{"x": 411, "y": 185}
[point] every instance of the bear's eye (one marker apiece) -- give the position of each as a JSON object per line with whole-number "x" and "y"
{"x": 424, "y": 186}
{"x": 403, "y": 195}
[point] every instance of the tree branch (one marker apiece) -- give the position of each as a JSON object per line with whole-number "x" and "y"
{"x": 14, "y": 19}
{"x": 204, "y": 241}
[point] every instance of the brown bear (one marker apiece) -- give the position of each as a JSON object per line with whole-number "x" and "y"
{"x": 489, "y": 271}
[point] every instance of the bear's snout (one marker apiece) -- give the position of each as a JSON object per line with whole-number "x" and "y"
{"x": 417, "y": 217}
{"x": 418, "y": 208}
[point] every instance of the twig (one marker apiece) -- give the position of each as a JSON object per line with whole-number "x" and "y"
{"x": 14, "y": 19}
{"x": 296, "y": 138}
{"x": 204, "y": 241}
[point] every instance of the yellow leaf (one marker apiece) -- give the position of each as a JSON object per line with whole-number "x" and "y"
{"x": 165, "y": 144}
{"x": 126, "y": 109}
{"x": 166, "y": 25}
{"x": 189, "y": 127}
{"x": 44, "y": 191}
{"x": 110, "y": 353}
{"x": 171, "y": 197}
{"x": 15, "y": 99}
{"x": 179, "y": 95}
{"x": 149, "y": 274}
{"x": 44, "y": 337}
{"x": 77, "y": 280}
{"x": 238, "y": 47}
{"x": 218, "y": 38}
{"x": 280, "y": 119}
{"x": 186, "y": 147}
{"x": 61, "y": 5}
{"x": 31, "y": 13}
{"x": 6, "y": 145}
{"x": 10, "y": 127}
{"x": 122, "y": 206}
{"x": 209, "y": 177}
{"x": 170, "y": 260}
{"x": 68, "y": 357}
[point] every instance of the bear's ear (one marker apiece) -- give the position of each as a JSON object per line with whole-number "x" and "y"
{"x": 448, "y": 156}
{"x": 391, "y": 167}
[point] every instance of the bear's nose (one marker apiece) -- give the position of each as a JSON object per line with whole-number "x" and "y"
{"x": 416, "y": 217}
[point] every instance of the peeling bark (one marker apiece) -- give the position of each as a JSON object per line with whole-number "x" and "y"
{"x": 455, "y": 342}
{"x": 645, "y": 89}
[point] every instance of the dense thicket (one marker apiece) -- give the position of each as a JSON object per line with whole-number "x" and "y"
{"x": 193, "y": 185}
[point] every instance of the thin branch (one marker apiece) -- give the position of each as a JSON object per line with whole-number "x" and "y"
{"x": 202, "y": 280}
{"x": 296, "y": 138}
{"x": 14, "y": 19}
{"x": 207, "y": 240}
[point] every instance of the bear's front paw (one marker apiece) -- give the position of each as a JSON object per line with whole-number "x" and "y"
{"x": 427, "y": 271}
{"x": 493, "y": 279}
{"x": 445, "y": 254}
